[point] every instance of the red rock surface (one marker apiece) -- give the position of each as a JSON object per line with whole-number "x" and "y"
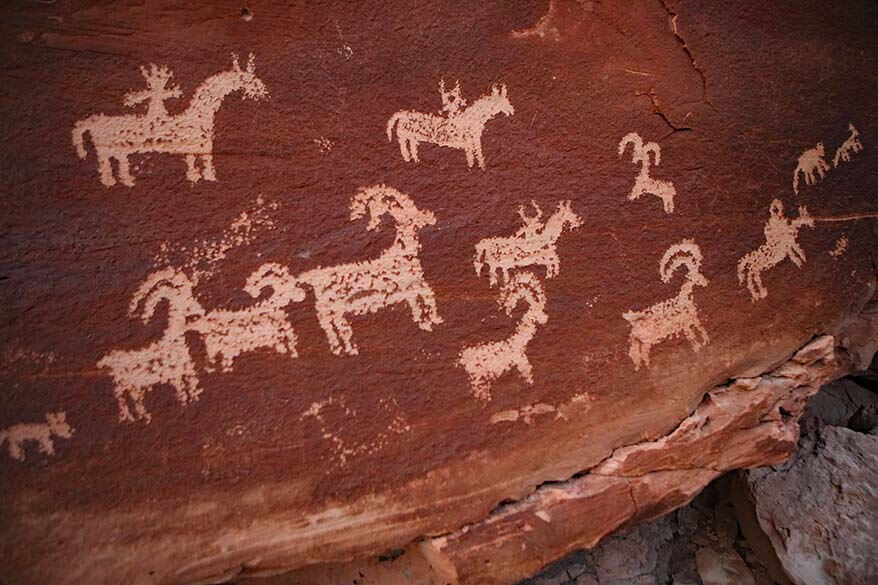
{"x": 304, "y": 453}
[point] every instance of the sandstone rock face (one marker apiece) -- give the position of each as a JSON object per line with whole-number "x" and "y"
{"x": 301, "y": 287}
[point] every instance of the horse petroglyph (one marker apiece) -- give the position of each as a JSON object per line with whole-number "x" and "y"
{"x": 189, "y": 134}
{"x": 41, "y": 433}
{"x": 780, "y": 243}
{"x": 396, "y": 276}
{"x": 850, "y": 146}
{"x": 458, "y": 126}
{"x": 644, "y": 183}
{"x": 486, "y": 362}
{"x": 533, "y": 243}
{"x": 675, "y": 316}
{"x": 811, "y": 162}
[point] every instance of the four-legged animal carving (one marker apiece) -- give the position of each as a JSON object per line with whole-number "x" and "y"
{"x": 811, "y": 162}
{"x": 486, "y": 362}
{"x": 780, "y": 243}
{"x": 848, "y": 147}
{"x": 461, "y": 129}
{"x": 644, "y": 183}
{"x": 534, "y": 243}
{"x": 189, "y": 134}
{"x": 41, "y": 433}
{"x": 165, "y": 361}
{"x": 675, "y": 316}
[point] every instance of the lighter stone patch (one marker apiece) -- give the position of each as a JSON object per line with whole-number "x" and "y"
{"x": 189, "y": 134}
{"x": 811, "y": 163}
{"x": 454, "y": 127}
{"x": 533, "y": 243}
{"x": 526, "y": 413}
{"x": 644, "y": 183}
{"x": 850, "y": 146}
{"x": 324, "y": 144}
{"x": 780, "y": 243}
{"x": 41, "y": 433}
{"x": 675, "y": 316}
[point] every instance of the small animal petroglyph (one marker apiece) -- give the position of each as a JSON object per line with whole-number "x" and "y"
{"x": 41, "y": 433}
{"x": 675, "y": 316}
{"x": 396, "y": 276}
{"x": 841, "y": 246}
{"x": 780, "y": 243}
{"x": 189, "y": 134}
{"x": 850, "y": 146}
{"x": 645, "y": 184}
{"x": 486, "y": 362}
{"x": 457, "y": 127}
{"x": 533, "y": 243}
{"x": 811, "y": 162}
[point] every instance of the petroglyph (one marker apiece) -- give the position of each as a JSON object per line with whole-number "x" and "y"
{"x": 780, "y": 242}
{"x": 841, "y": 246}
{"x": 41, "y": 433}
{"x": 396, "y": 276}
{"x": 486, "y": 362}
{"x": 644, "y": 183}
{"x": 189, "y": 134}
{"x": 526, "y": 413}
{"x": 850, "y": 146}
{"x": 165, "y": 361}
{"x": 811, "y": 162}
{"x": 533, "y": 243}
{"x": 228, "y": 334}
{"x": 457, "y": 126}
{"x": 675, "y": 316}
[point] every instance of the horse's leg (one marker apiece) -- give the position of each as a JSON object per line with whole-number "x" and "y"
{"x": 326, "y": 320}
{"x": 492, "y": 273}
{"x": 105, "y": 167}
{"x": 470, "y": 157}
{"x": 124, "y": 411}
{"x": 524, "y": 368}
{"x": 402, "y": 147}
{"x": 192, "y": 172}
{"x": 796, "y": 254}
{"x": 209, "y": 172}
{"x": 480, "y": 157}
{"x": 634, "y": 352}
{"x": 413, "y": 148}
{"x": 346, "y": 333}
{"x": 124, "y": 171}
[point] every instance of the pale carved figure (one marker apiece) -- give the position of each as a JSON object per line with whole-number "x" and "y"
{"x": 189, "y": 134}
{"x": 533, "y": 243}
{"x": 40, "y": 433}
{"x": 644, "y": 183}
{"x": 811, "y": 162}
{"x": 850, "y": 146}
{"x": 781, "y": 236}
{"x": 675, "y": 316}
{"x": 458, "y": 128}
{"x": 486, "y": 362}
{"x": 227, "y": 334}
{"x": 166, "y": 361}
{"x": 396, "y": 276}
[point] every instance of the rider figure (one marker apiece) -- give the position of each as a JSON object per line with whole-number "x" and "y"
{"x": 452, "y": 102}
{"x": 156, "y": 92}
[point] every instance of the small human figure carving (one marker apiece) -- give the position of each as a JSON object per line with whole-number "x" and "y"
{"x": 644, "y": 183}
{"x": 228, "y": 334}
{"x": 165, "y": 361}
{"x": 189, "y": 134}
{"x": 848, "y": 147}
{"x": 781, "y": 234}
{"x": 533, "y": 243}
{"x": 396, "y": 276}
{"x": 811, "y": 162}
{"x": 41, "y": 433}
{"x": 458, "y": 128}
{"x": 675, "y": 316}
{"x": 486, "y": 362}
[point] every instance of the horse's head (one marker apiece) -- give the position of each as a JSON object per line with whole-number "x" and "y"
{"x": 776, "y": 208}
{"x": 501, "y": 103}
{"x": 246, "y": 80}
{"x": 819, "y": 148}
{"x": 566, "y": 215}
{"x": 58, "y": 423}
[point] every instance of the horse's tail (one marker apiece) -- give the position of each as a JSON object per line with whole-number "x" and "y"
{"x": 391, "y": 123}
{"x": 796, "y": 180}
{"x": 479, "y": 258}
{"x": 633, "y": 316}
{"x": 743, "y": 267}
{"x": 79, "y": 129}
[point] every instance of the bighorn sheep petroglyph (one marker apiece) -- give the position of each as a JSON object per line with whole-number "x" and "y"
{"x": 644, "y": 183}
{"x": 675, "y": 316}
{"x": 811, "y": 162}
{"x": 41, "y": 433}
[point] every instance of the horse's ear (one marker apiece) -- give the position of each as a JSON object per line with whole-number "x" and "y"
{"x": 503, "y": 90}
{"x": 235, "y": 65}
{"x": 251, "y": 63}
{"x": 495, "y": 90}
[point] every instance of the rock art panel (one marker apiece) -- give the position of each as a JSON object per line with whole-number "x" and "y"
{"x": 18, "y": 436}
{"x": 673, "y": 317}
{"x": 644, "y": 184}
{"x": 457, "y": 126}
{"x": 188, "y": 134}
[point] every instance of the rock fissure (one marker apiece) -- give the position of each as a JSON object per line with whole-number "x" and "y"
{"x": 672, "y": 25}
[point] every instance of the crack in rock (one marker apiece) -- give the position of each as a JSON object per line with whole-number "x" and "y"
{"x": 672, "y": 25}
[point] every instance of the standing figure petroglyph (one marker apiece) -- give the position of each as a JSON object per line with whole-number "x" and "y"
{"x": 675, "y": 316}
{"x": 486, "y": 362}
{"x": 396, "y": 276}
{"x": 41, "y": 433}
{"x": 848, "y": 147}
{"x": 810, "y": 162}
{"x": 165, "y": 361}
{"x": 533, "y": 243}
{"x": 228, "y": 334}
{"x": 189, "y": 134}
{"x": 781, "y": 234}
{"x": 459, "y": 128}
{"x": 644, "y": 183}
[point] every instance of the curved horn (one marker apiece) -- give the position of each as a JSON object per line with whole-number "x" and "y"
{"x": 251, "y": 63}
{"x": 635, "y": 140}
{"x": 235, "y": 64}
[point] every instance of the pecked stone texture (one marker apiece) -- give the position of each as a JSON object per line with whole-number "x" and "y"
{"x": 663, "y": 211}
